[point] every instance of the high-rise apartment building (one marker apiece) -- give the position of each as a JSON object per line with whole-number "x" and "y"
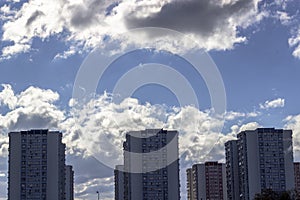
{"x": 151, "y": 165}
{"x": 189, "y": 184}
{"x": 265, "y": 161}
{"x": 36, "y": 165}
{"x": 69, "y": 186}
{"x": 207, "y": 181}
{"x": 232, "y": 175}
{"x": 119, "y": 182}
{"x": 297, "y": 176}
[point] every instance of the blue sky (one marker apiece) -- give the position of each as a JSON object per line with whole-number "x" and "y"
{"x": 254, "y": 44}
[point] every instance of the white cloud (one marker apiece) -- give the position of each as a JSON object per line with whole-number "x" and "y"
{"x": 276, "y": 103}
{"x": 6, "y": 12}
{"x": 294, "y": 42}
{"x": 284, "y": 17}
{"x": 66, "y": 54}
{"x": 32, "y": 108}
{"x": 293, "y": 123}
{"x": 87, "y": 190}
{"x": 249, "y": 126}
{"x": 8, "y": 51}
{"x": 103, "y": 125}
{"x": 282, "y": 3}
{"x": 7, "y": 96}
{"x": 289, "y": 19}
{"x": 85, "y": 24}
{"x": 235, "y": 129}
{"x": 98, "y": 128}
{"x": 233, "y": 115}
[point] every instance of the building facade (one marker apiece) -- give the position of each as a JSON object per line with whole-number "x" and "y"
{"x": 69, "y": 186}
{"x": 119, "y": 182}
{"x": 265, "y": 161}
{"x": 232, "y": 169}
{"x": 151, "y": 165}
{"x": 207, "y": 181}
{"x": 36, "y": 165}
{"x": 189, "y": 184}
{"x": 297, "y": 176}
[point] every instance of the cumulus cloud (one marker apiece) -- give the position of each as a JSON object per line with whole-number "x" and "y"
{"x": 212, "y": 22}
{"x": 284, "y": 17}
{"x": 281, "y": 3}
{"x": 94, "y": 132}
{"x": 249, "y": 126}
{"x": 294, "y": 42}
{"x": 276, "y": 103}
{"x": 33, "y": 17}
{"x": 85, "y": 24}
{"x": 103, "y": 125}
{"x": 7, "y": 96}
{"x": 293, "y": 123}
{"x": 232, "y": 115}
{"x": 32, "y": 108}
{"x": 6, "y": 12}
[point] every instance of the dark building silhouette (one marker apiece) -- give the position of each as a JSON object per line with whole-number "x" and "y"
{"x": 297, "y": 176}
{"x": 151, "y": 166}
{"x": 119, "y": 182}
{"x": 36, "y": 166}
{"x": 69, "y": 186}
{"x": 232, "y": 173}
